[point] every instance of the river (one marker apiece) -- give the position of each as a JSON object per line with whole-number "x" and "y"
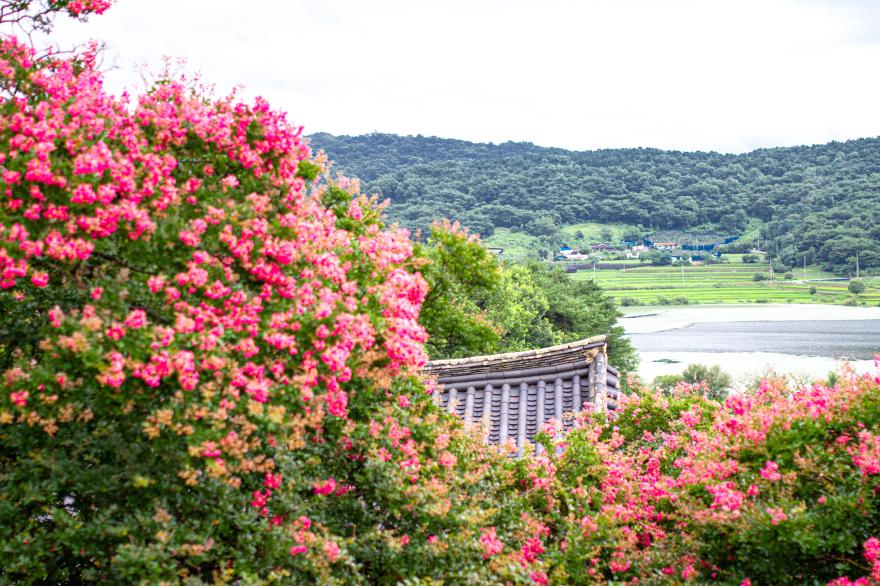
{"x": 747, "y": 341}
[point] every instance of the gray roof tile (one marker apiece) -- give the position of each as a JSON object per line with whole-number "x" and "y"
{"x": 519, "y": 391}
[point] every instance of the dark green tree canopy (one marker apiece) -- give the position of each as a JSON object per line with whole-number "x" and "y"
{"x": 817, "y": 202}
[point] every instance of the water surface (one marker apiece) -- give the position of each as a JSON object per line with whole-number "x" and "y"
{"x": 807, "y": 341}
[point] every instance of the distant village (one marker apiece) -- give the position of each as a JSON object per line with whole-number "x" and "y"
{"x": 645, "y": 249}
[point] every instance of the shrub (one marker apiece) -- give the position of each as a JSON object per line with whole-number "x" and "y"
{"x": 718, "y": 381}
{"x": 667, "y": 382}
{"x": 629, "y": 301}
{"x": 759, "y": 277}
{"x": 856, "y": 286}
{"x": 742, "y": 487}
{"x": 813, "y": 290}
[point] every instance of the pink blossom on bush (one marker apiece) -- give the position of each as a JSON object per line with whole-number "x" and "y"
{"x": 491, "y": 544}
{"x": 325, "y": 488}
{"x": 777, "y": 515}
{"x": 331, "y": 551}
{"x": 770, "y": 471}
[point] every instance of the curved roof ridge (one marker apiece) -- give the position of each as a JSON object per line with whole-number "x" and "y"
{"x": 523, "y": 359}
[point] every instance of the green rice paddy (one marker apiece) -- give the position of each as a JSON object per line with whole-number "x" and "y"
{"x": 731, "y": 282}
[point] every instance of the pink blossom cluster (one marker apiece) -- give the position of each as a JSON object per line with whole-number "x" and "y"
{"x": 263, "y": 307}
{"x": 659, "y": 494}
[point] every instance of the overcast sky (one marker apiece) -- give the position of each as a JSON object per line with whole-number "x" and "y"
{"x": 719, "y": 75}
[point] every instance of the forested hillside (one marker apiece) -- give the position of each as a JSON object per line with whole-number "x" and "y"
{"x": 820, "y": 201}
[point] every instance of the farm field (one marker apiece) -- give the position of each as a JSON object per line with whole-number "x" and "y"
{"x": 731, "y": 282}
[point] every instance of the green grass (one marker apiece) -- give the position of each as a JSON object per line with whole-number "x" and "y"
{"x": 731, "y": 282}
{"x": 516, "y": 245}
{"x": 752, "y": 232}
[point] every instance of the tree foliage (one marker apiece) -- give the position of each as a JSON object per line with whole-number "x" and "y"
{"x": 716, "y": 382}
{"x": 815, "y": 201}
{"x": 479, "y": 305}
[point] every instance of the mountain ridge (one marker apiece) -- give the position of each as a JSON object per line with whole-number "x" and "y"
{"x": 817, "y": 201}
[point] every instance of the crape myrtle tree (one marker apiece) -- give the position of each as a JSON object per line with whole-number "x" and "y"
{"x": 209, "y": 351}
{"x": 210, "y": 356}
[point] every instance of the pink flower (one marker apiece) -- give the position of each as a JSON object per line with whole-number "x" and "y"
{"x": 136, "y": 319}
{"x": 872, "y": 549}
{"x": 777, "y": 515}
{"x": 692, "y": 417}
{"x": 550, "y": 427}
{"x": 336, "y": 403}
{"x": 539, "y": 578}
{"x": 727, "y": 498}
{"x": 530, "y": 550}
{"x": 298, "y": 549}
{"x": 272, "y": 481}
{"x": 19, "y": 398}
{"x": 331, "y": 550}
{"x": 210, "y": 450}
{"x": 40, "y": 279}
{"x": 56, "y": 316}
{"x": 155, "y": 283}
{"x": 447, "y": 460}
{"x": 116, "y": 331}
{"x": 770, "y": 471}
{"x": 96, "y": 293}
{"x": 618, "y": 563}
{"x": 325, "y": 488}
{"x": 491, "y": 544}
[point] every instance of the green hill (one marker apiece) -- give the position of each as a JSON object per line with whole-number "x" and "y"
{"x": 820, "y": 201}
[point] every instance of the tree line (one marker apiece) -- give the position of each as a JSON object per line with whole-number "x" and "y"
{"x": 814, "y": 203}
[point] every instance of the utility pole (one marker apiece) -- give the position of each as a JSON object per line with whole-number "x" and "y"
{"x": 805, "y": 267}
{"x": 857, "y": 264}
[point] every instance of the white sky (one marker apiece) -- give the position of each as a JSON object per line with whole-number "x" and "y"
{"x": 728, "y": 75}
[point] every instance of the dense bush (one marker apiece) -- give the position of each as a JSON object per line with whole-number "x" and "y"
{"x": 856, "y": 286}
{"x": 210, "y": 352}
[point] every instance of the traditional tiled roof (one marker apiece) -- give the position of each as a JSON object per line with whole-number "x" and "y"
{"x": 515, "y": 393}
